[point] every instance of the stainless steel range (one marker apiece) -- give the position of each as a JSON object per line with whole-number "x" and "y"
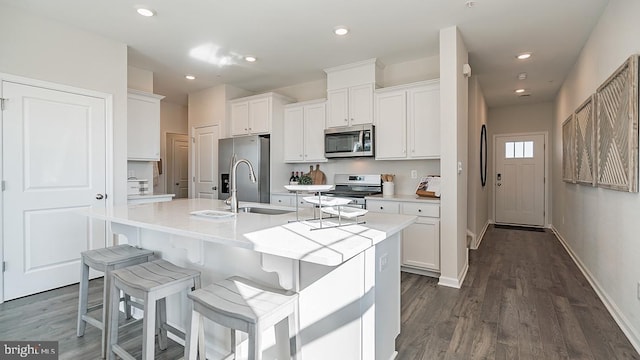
{"x": 355, "y": 187}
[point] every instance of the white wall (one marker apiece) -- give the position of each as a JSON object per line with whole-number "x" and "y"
{"x": 139, "y": 79}
{"x": 454, "y": 126}
{"x": 600, "y": 225}
{"x": 477, "y": 195}
{"x": 42, "y": 49}
{"x": 411, "y": 71}
{"x": 518, "y": 119}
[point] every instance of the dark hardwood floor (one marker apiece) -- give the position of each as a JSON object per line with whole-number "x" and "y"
{"x": 523, "y": 298}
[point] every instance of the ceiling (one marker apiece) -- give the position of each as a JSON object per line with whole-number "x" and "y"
{"x": 293, "y": 39}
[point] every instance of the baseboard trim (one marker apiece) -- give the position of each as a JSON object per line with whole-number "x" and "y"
{"x": 455, "y": 282}
{"x": 479, "y": 238}
{"x": 394, "y": 355}
{"x": 618, "y": 316}
{"x": 423, "y": 272}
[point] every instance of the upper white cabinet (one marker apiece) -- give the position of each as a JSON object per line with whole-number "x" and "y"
{"x": 254, "y": 114}
{"x": 350, "y": 93}
{"x": 408, "y": 121}
{"x": 143, "y": 126}
{"x": 350, "y": 106}
{"x": 304, "y": 132}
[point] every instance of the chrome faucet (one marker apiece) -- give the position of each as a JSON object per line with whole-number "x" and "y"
{"x": 233, "y": 199}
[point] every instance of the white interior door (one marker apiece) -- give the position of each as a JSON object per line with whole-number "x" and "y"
{"x": 519, "y": 179}
{"x": 177, "y": 165}
{"x": 54, "y": 166}
{"x": 206, "y": 162}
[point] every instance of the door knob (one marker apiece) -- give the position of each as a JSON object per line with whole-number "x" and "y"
{"x": 177, "y": 184}
{"x": 499, "y": 184}
{"x": 99, "y": 196}
{"x": 214, "y": 188}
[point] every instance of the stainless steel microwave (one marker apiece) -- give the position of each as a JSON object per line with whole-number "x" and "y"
{"x": 351, "y": 141}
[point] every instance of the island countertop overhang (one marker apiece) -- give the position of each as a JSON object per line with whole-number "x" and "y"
{"x": 267, "y": 234}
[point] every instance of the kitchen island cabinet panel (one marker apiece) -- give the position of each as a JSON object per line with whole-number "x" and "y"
{"x": 349, "y": 306}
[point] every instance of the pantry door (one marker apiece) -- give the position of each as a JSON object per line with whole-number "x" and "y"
{"x": 54, "y": 166}
{"x": 520, "y": 179}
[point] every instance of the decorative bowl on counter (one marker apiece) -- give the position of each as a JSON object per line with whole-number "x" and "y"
{"x": 308, "y": 187}
{"x": 326, "y": 200}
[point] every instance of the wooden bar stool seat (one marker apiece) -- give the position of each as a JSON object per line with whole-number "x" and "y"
{"x": 152, "y": 281}
{"x": 238, "y": 304}
{"x": 105, "y": 260}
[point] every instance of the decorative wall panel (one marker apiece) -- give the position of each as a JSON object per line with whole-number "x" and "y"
{"x": 585, "y": 134}
{"x": 617, "y": 124}
{"x": 568, "y": 150}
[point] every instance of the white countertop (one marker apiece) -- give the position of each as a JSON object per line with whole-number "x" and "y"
{"x": 269, "y": 234}
{"x": 400, "y": 197}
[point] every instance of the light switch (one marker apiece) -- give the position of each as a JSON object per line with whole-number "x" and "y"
{"x": 459, "y": 167}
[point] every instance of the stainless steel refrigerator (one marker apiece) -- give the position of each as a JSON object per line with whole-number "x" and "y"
{"x": 255, "y": 149}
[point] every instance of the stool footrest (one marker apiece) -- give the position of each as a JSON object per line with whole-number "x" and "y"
{"x": 122, "y": 352}
{"x": 174, "y": 331}
{"x": 93, "y": 321}
{"x": 131, "y": 323}
{"x": 94, "y": 307}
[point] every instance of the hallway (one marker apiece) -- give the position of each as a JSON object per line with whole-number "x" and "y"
{"x": 523, "y": 298}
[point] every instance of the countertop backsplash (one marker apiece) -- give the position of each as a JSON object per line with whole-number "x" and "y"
{"x": 404, "y": 184}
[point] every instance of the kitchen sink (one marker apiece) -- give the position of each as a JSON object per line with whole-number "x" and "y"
{"x": 264, "y": 211}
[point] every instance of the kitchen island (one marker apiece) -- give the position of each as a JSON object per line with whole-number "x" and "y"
{"x": 348, "y": 278}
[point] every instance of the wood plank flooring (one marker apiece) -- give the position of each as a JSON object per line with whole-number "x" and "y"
{"x": 523, "y": 298}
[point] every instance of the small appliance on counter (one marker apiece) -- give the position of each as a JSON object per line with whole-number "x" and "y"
{"x": 137, "y": 187}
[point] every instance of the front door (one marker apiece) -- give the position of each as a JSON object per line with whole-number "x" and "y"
{"x": 177, "y": 165}
{"x": 519, "y": 179}
{"x": 53, "y": 146}
{"x": 206, "y": 162}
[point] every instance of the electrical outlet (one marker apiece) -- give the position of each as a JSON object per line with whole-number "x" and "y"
{"x": 414, "y": 174}
{"x": 384, "y": 261}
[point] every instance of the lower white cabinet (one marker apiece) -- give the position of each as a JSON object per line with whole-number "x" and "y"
{"x": 284, "y": 199}
{"x": 421, "y": 240}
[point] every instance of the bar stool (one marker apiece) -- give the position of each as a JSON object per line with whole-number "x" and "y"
{"x": 152, "y": 281}
{"x": 106, "y": 260}
{"x": 241, "y": 305}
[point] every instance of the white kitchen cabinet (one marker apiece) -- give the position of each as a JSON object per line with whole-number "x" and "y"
{"x": 143, "y": 126}
{"x": 289, "y": 199}
{"x": 421, "y": 240}
{"x": 408, "y": 121}
{"x": 350, "y": 106}
{"x": 304, "y": 132}
{"x": 253, "y": 114}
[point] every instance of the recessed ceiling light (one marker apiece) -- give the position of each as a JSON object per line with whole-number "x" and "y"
{"x": 522, "y": 76}
{"x": 250, "y": 58}
{"x": 470, "y": 3}
{"x": 190, "y": 77}
{"x": 523, "y": 56}
{"x": 340, "y": 30}
{"x": 146, "y": 12}
{"x": 520, "y": 91}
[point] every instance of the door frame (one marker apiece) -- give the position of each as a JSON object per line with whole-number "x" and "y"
{"x": 547, "y": 181}
{"x": 109, "y": 181}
